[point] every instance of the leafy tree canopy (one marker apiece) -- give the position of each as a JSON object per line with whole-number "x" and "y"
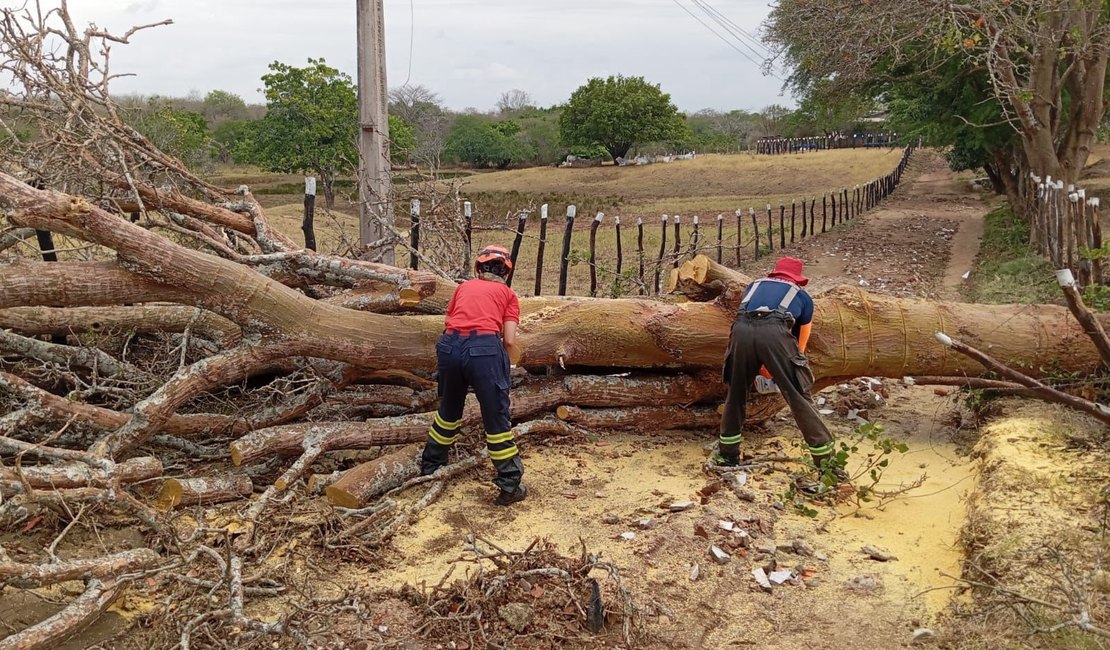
{"x": 311, "y": 122}
{"x": 482, "y": 143}
{"x": 618, "y": 113}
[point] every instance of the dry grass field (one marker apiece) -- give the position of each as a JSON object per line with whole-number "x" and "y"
{"x": 707, "y": 186}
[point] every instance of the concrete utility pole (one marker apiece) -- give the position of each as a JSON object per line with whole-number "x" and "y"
{"x": 375, "y": 192}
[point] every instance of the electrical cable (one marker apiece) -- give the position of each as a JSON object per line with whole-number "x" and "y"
{"x": 718, "y": 35}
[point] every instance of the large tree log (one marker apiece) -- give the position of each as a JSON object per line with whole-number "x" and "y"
{"x": 854, "y": 333}
{"x": 702, "y": 279}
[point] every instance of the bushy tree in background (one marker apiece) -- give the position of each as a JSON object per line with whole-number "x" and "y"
{"x": 183, "y": 134}
{"x": 402, "y": 139}
{"x": 222, "y": 106}
{"x": 311, "y": 123}
{"x": 431, "y": 123}
{"x": 618, "y": 113}
{"x": 482, "y": 143}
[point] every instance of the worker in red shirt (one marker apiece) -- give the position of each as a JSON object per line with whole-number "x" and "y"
{"x": 478, "y": 340}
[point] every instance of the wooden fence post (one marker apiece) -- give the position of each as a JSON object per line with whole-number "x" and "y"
{"x": 805, "y": 230}
{"x": 539, "y": 250}
{"x": 662, "y": 252}
{"x": 135, "y": 217}
{"x": 521, "y": 224}
{"x": 793, "y": 216}
{"x": 564, "y": 259}
{"x": 720, "y": 238}
{"x": 782, "y": 226}
{"x": 739, "y": 233}
{"x": 593, "y": 253}
{"x": 640, "y": 251}
{"x": 1096, "y": 242}
{"x": 677, "y": 239}
{"x": 620, "y": 246}
{"x": 755, "y": 227}
{"x": 812, "y": 216}
{"x": 414, "y": 233}
{"x": 832, "y": 199}
{"x": 467, "y": 233}
{"x": 696, "y": 240}
{"x": 309, "y": 213}
{"x": 770, "y": 230}
{"x": 844, "y": 205}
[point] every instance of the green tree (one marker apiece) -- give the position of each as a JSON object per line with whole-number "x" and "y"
{"x": 182, "y": 134}
{"x": 311, "y": 123}
{"x": 618, "y": 113}
{"x": 221, "y": 106}
{"x": 402, "y": 139}
{"x": 230, "y": 140}
{"x": 481, "y": 143}
{"x": 1044, "y": 63}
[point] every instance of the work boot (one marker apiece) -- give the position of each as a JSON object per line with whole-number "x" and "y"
{"x": 720, "y": 460}
{"x": 427, "y": 469}
{"x": 507, "y": 498}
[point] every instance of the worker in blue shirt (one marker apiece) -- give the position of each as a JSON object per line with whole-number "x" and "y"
{"x": 769, "y": 337}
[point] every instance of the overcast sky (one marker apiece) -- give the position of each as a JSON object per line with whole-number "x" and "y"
{"x": 468, "y": 51}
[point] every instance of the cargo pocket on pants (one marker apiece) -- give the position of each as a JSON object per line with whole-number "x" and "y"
{"x": 803, "y": 372}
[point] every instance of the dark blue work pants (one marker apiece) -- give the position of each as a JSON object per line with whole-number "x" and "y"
{"x": 475, "y": 361}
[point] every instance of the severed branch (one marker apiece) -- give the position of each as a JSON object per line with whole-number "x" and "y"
{"x": 1040, "y": 390}
{"x": 1091, "y": 325}
{"x": 98, "y": 597}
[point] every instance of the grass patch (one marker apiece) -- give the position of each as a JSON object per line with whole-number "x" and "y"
{"x": 1007, "y": 270}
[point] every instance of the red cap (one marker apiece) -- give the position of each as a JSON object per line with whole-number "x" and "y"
{"x": 789, "y": 268}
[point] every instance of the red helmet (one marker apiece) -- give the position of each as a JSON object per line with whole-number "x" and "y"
{"x": 491, "y": 253}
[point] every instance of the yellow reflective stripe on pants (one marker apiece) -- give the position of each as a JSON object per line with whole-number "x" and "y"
{"x": 434, "y": 435}
{"x": 448, "y": 426}
{"x": 499, "y": 437}
{"x": 504, "y": 454}
{"x": 730, "y": 440}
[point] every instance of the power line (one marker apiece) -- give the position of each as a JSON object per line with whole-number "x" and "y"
{"x": 745, "y": 37}
{"x": 412, "y": 31}
{"x": 726, "y": 41}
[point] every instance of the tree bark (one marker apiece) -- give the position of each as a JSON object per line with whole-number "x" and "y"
{"x": 203, "y": 491}
{"x": 98, "y": 597}
{"x": 361, "y": 484}
{"x": 644, "y": 419}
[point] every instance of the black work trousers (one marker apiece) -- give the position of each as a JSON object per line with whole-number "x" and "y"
{"x": 475, "y": 361}
{"x": 764, "y": 339}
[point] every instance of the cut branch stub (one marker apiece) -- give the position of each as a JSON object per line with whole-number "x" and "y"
{"x": 203, "y": 491}
{"x": 361, "y": 484}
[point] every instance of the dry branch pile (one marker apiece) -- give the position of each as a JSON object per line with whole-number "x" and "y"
{"x": 160, "y": 353}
